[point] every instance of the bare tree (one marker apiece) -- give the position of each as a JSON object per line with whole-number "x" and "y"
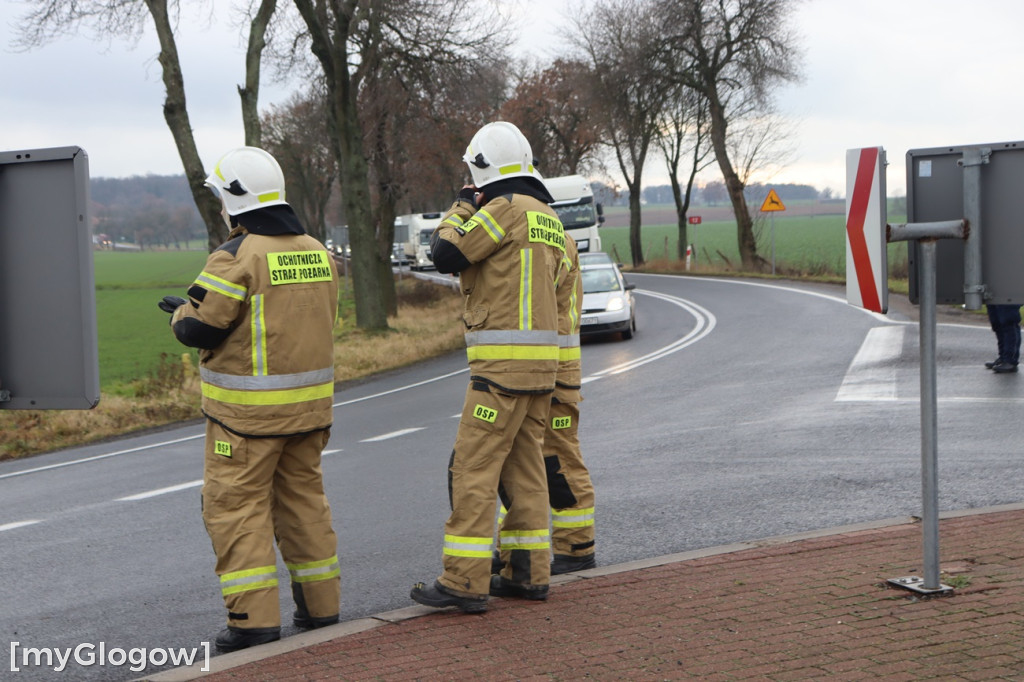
{"x": 250, "y": 92}
{"x": 362, "y": 46}
{"x": 127, "y": 19}
{"x": 684, "y": 132}
{"x": 628, "y": 95}
{"x": 720, "y": 48}
{"x": 296, "y": 133}
{"x": 552, "y": 106}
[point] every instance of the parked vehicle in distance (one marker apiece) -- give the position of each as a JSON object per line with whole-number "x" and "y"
{"x": 608, "y": 302}
{"x": 415, "y": 230}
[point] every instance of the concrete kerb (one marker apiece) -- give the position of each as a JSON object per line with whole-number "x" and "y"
{"x": 312, "y": 637}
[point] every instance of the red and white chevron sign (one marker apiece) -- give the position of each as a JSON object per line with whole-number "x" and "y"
{"x": 867, "y": 269}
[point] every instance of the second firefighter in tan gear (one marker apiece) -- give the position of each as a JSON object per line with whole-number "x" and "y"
{"x": 570, "y": 490}
{"x": 507, "y": 245}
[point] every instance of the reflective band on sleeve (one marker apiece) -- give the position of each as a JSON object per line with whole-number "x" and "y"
{"x": 568, "y": 347}
{"x": 312, "y": 571}
{"x": 572, "y": 518}
{"x": 455, "y": 545}
{"x": 525, "y": 539}
{"x": 221, "y": 286}
{"x": 259, "y": 337}
{"x": 298, "y": 267}
{"x": 454, "y": 220}
{"x": 248, "y": 580}
{"x": 546, "y": 229}
{"x": 525, "y": 289}
{"x": 486, "y": 221}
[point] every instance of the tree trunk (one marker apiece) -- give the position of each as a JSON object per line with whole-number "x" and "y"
{"x": 636, "y": 245}
{"x": 734, "y": 186}
{"x": 176, "y": 115}
{"x": 250, "y": 93}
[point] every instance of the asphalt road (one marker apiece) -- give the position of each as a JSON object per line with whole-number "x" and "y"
{"x": 740, "y": 410}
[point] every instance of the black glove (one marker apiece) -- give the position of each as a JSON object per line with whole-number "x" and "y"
{"x": 171, "y": 303}
{"x": 468, "y": 194}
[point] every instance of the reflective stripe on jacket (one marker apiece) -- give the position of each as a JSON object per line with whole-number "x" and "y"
{"x": 513, "y": 248}
{"x": 276, "y": 299}
{"x": 569, "y": 294}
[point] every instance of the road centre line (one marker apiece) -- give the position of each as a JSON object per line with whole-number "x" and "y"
{"x": 19, "y": 524}
{"x": 393, "y": 434}
{"x": 99, "y": 457}
{"x": 161, "y": 491}
{"x": 706, "y": 322}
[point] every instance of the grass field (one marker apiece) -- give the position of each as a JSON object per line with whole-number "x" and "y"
{"x": 133, "y": 333}
{"x": 812, "y": 244}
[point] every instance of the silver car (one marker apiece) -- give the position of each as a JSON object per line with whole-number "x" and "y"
{"x": 608, "y": 302}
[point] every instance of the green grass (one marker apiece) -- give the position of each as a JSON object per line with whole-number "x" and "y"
{"x": 133, "y": 333}
{"x": 805, "y": 244}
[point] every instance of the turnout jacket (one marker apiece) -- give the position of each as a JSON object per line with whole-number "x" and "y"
{"x": 508, "y": 254}
{"x": 569, "y": 296}
{"x": 262, "y": 313}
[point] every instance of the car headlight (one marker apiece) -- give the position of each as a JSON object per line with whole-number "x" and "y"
{"x": 615, "y": 303}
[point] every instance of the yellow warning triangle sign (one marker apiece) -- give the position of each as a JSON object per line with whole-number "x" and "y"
{"x": 772, "y": 202}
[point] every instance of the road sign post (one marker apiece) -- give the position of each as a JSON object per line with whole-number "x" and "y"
{"x": 771, "y": 204}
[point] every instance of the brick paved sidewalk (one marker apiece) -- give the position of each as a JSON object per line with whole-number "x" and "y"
{"x": 815, "y": 608}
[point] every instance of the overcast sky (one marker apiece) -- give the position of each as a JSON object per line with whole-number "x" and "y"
{"x": 901, "y": 74}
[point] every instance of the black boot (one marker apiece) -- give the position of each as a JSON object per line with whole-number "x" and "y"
{"x": 503, "y": 587}
{"x": 307, "y": 622}
{"x": 439, "y": 597}
{"x": 496, "y": 563}
{"x": 233, "y": 639}
{"x": 566, "y": 563}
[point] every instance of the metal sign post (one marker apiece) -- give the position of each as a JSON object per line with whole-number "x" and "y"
{"x": 771, "y": 204}
{"x": 926, "y": 235}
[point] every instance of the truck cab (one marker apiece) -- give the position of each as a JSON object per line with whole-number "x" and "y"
{"x": 417, "y": 228}
{"x": 580, "y": 215}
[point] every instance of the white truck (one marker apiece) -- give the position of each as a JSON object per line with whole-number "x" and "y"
{"x": 416, "y": 229}
{"x": 580, "y": 216}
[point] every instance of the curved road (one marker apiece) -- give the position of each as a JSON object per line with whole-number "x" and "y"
{"x": 739, "y": 410}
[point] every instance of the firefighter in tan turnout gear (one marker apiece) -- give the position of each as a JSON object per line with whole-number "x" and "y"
{"x": 507, "y": 245}
{"x": 570, "y": 488}
{"x": 262, "y": 313}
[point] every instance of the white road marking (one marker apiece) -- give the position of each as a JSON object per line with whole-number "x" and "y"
{"x": 393, "y": 434}
{"x": 19, "y": 524}
{"x": 330, "y": 452}
{"x": 104, "y": 456}
{"x": 161, "y": 491}
{"x": 872, "y": 373}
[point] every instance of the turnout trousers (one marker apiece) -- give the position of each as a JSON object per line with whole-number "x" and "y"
{"x": 256, "y": 489}
{"x": 499, "y": 439}
{"x": 569, "y": 486}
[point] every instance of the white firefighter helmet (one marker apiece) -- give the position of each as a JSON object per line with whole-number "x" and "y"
{"x": 247, "y": 178}
{"x": 498, "y": 151}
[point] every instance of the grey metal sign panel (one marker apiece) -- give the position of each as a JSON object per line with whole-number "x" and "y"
{"x": 48, "y": 348}
{"x": 935, "y": 191}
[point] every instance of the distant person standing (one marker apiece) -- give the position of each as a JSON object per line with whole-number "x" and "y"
{"x": 1005, "y": 321}
{"x": 262, "y": 313}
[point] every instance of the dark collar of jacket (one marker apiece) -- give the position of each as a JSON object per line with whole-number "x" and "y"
{"x": 270, "y": 221}
{"x": 520, "y": 185}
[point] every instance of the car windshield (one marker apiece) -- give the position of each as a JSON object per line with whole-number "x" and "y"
{"x": 592, "y": 257}
{"x": 596, "y": 280}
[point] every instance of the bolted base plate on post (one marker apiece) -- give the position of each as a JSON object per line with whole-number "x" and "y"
{"x": 916, "y": 584}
